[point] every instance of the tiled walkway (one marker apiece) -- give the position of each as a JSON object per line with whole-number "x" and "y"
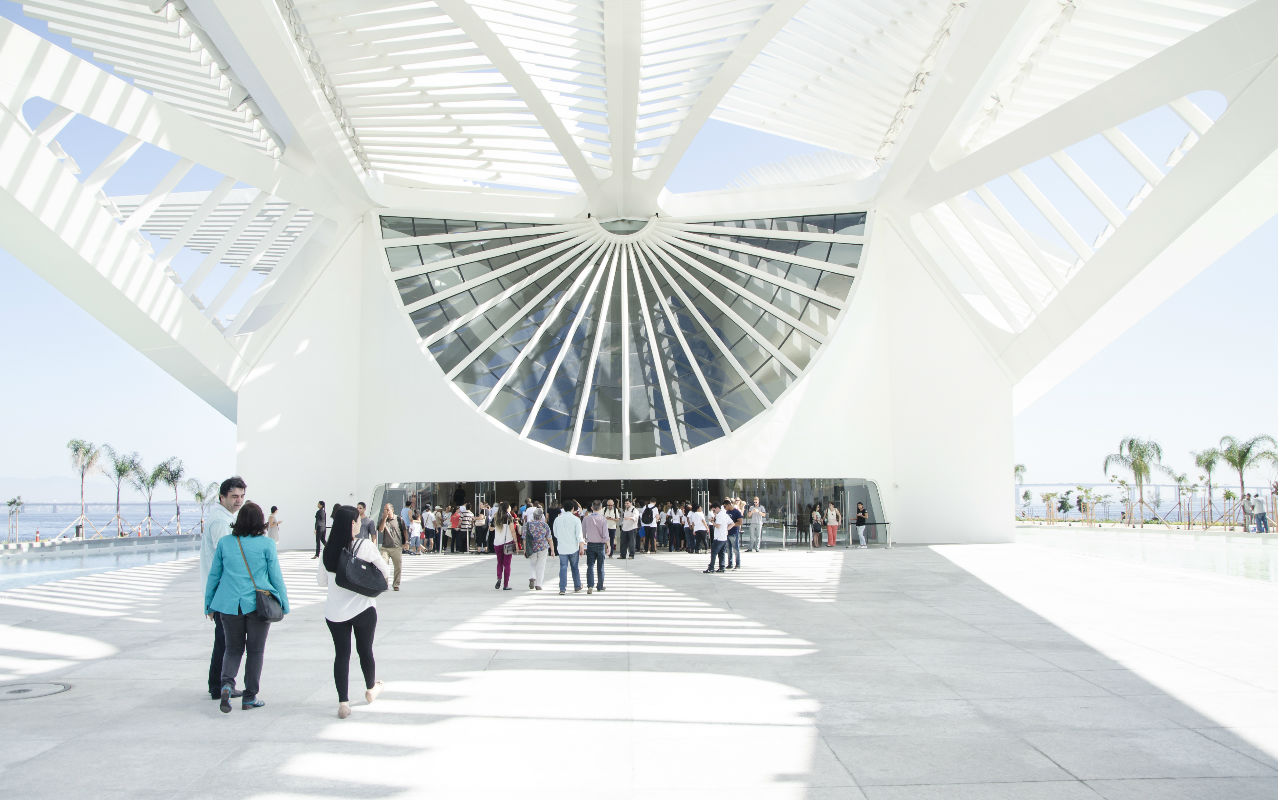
{"x": 1003, "y": 671}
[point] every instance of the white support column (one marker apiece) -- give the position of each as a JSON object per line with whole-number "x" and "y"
{"x": 53, "y": 123}
{"x": 656, "y": 353}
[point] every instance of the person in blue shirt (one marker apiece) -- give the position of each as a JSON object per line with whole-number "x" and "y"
{"x": 240, "y": 561}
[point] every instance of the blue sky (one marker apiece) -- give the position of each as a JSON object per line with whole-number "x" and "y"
{"x": 1202, "y": 365}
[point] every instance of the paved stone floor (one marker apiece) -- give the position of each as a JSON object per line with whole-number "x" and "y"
{"x": 983, "y": 672}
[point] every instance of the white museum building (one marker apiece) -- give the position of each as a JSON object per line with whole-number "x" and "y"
{"x": 431, "y": 247}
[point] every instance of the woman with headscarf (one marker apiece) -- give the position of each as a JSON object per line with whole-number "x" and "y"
{"x": 346, "y": 612}
{"x": 537, "y": 546}
{"x": 243, "y": 563}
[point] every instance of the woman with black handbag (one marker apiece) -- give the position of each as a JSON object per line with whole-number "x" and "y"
{"x": 246, "y": 588}
{"x": 346, "y": 611}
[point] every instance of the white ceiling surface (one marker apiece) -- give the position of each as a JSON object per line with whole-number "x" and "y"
{"x": 548, "y": 110}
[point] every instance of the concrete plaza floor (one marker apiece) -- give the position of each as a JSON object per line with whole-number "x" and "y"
{"x": 957, "y": 672}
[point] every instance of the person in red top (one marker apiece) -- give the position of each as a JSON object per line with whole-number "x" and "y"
{"x": 455, "y": 522}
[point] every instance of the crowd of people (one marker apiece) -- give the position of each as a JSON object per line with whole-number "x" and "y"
{"x": 239, "y": 561}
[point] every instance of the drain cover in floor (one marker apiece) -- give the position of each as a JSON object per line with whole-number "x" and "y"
{"x": 26, "y": 691}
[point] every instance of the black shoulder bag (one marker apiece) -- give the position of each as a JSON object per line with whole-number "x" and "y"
{"x": 357, "y": 575}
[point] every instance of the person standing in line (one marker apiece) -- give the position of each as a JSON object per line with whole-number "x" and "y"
{"x": 273, "y": 525}
{"x": 686, "y": 510}
{"x": 663, "y": 516}
{"x": 675, "y": 529}
{"x": 611, "y": 517}
{"x": 466, "y": 524}
{"x": 389, "y": 540}
{"x": 732, "y": 545}
{"x": 480, "y": 528}
{"x": 406, "y": 523}
{"x": 221, "y": 516}
{"x": 697, "y": 529}
{"x": 346, "y": 612}
{"x": 321, "y": 524}
{"x": 367, "y": 529}
{"x": 504, "y": 544}
{"x": 755, "y": 523}
{"x": 815, "y": 524}
{"x": 455, "y": 520}
{"x": 719, "y": 539}
{"x": 648, "y": 526}
{"x": 568, "y": 533}
{"x": 243, "y": 563}
{"x": 415, "y": 534}
{"x": 833, "y": 523}
{"x": 537, "y": 546}
{"x": 429, "y": 529}
{"x": 595, "y": 531}
{"x": 860, "y": 524}
{"x": 627, "y": 536}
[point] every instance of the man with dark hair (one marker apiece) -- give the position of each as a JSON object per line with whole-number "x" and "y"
{"x": 223, "y": 513}
{"x": 367, "y": 528}
{"x": 322, "y": 523}
{"x": 596, "y": 533}
{"x": 649, "y": 525}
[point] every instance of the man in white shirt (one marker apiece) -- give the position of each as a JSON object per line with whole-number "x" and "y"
{"x": 627, "y": 537}
{"x": 569, "y": 542}
{"x": 720, "y": 537}
{"x": 755, "y": 521}
{"x": 223, "y": 513}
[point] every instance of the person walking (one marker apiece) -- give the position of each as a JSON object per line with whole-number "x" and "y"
{"x": 860, "y": 524}
{"x": 504, "y": 544}
{"x": 611, "y": 517}
{"x": 390, "y": 540}
{"x": 273, "y": 525}
{"x": 833, "y": 523}
{"x": 321, "y": 524}
{"x": 243, "y": 563}
{"x": 595, "y": 531}
{"x": 537, "y": 546}
{"x": 627, "y": 536}
{"x": 719, "y": 539}
{"x": 732, "y": 547}
{"x": 221, "y": 516}
{"x": 755, "y": 523}
{"x": 367, "y": 529}
{"x": 568, "y": 532}
{"x": 345, "y": 611}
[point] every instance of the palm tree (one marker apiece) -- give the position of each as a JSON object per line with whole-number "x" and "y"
{"x": 146, "y": 482}
{"x": 1246, "y": 455}
{"x": 171, "y": 474}
{"x": 1139, "y": 456}
{"x": 202, "y": 494}
{"x": 1207, "y": 460}
{"x": 1019, "y": 473}
{"x": 118, "y": 468}
{"x": 1185, "y": 486}
{"x": 84, "y": 457}
{"x": 15, "y": 508}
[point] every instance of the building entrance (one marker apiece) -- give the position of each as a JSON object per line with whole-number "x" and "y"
{"x": 789, "y": 503}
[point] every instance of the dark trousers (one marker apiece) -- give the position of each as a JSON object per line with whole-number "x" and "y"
{"x": 626, "y": 543}
{"x": 457, "y": 541}
{"x": 650, "y": 543}
{"x": 673, "y": 536}
{"x": 363, "y": 625}
{"x": 319, "y": 541}
{"x": 701, "y": 537}
{"x": 215, "y": 662}
{"x": 246, "y": 637}
{"x": 613, "y": 540}
{"x": 595, "y": 558}
{"x": 688, "y": 540}
{"x": 717, "y": 550}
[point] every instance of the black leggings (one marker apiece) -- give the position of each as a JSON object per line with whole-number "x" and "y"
{"x": 363, "y": 625}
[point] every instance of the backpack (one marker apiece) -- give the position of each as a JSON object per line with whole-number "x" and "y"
{"x": 646, "y": 517}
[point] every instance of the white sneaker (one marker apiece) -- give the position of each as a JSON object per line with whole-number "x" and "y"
{"x": 344, "y": 710}
{"x": 372, "y": 694}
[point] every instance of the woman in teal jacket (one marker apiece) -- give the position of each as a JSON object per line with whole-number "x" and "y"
{"x": 230, "y": 592}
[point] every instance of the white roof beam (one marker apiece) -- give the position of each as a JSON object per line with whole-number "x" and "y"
{"x": 601, "y": 324}
{"x": 1020, "y": 235}
{"x": 268, "y": 239}
{"x": 655, "y": 352}
{"x": 466, "y": 17}
{"x": 962, "y": 258}
{"x": 215, "y": 255}
{"x": 979, "y": 234}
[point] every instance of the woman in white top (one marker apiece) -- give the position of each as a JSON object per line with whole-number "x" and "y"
{"x": 345, "y": 611}
{"x": 415, "y": 534}
{"x": 504, "y": 544}
{"x": 273, "y": 525}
